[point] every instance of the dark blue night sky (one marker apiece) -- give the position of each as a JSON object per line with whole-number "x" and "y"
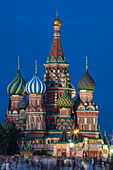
{"x": 26, "y": 30}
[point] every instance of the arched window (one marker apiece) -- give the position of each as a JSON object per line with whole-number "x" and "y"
{"x": 48, "y": 142}
{"x": 61, "y": 128}
{"x": 51, "y": 85}
{"x": 15, "y": 112}
{"x": 60, "y": 85}
{"x": 50, "y": 100}
{"x": 52, "y": 141}
{"x": 31, "y": 126}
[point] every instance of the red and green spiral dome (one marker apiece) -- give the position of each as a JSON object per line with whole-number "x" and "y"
{"x": 86, "y": 82}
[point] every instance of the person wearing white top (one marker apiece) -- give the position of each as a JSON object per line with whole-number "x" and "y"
{"x": 7, "y": 166}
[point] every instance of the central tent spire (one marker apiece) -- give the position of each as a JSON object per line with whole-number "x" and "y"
{"x": 56, "y": 54}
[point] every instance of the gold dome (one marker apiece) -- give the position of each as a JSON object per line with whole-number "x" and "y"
{"x": 57, "y": 21}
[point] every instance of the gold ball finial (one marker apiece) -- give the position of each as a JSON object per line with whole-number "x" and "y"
{"x": 57, "y": 21}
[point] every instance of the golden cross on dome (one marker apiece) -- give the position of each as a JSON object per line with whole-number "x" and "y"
{"x": 56, "y": 8}
{"x": 56, "y": 13}
{"x": 36, "y": 67}
{"x": 86, "y": 62}
{"x": 18, "y": 62}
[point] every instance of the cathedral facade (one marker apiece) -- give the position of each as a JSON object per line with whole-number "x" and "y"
{"x": 46, "y": 113}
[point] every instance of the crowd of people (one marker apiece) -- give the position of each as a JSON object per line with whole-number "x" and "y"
{"x": 51, "y": 163}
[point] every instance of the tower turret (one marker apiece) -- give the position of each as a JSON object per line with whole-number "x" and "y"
{"x": 86, "y": 86}
{"x": 17, "y": 85}
{"x": 35, "y": 112}
{"x": 86, "y": 109}
{"x": 65, "y": 120}
{"x": 16, "y": 90}
{"x": 56, "y": 76}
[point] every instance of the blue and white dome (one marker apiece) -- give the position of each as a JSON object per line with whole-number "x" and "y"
{"x": 35, "y": 85}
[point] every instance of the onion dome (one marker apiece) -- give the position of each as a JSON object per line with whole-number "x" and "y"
{"x": 23, "y": 104}
{"x": 35, "y": 85}
{"x": 57, "y": 21}
{"x": 65, "y": 101}
{"x": 86, "y": 82}
{"x": 17, "y": 86}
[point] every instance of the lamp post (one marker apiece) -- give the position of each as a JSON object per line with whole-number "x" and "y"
{"x": 72, "y": 139}
{"x": 76, "y": 131}
{"x": 71, "y": 148}
{"x": 111, "y": 154}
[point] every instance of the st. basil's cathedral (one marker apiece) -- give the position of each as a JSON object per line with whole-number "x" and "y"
{"x": 46, "y": 114}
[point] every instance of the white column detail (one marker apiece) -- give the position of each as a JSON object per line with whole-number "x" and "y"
{"x": 94, "y": 121}
{"x": 41, "y": 122}
{"x": 29, "y": 122}
{"x": 35, "y": 122}
{"x": 78, "y": 120}
{"x": 85, "y": 120}
{"x": 89, "y": 126}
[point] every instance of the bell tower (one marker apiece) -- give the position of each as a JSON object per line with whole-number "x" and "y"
{"x": 56, "y": 76}
{"x": 35, "y": 112}
{"x": 86, "y": 109}
{"x": 16, "y": 90}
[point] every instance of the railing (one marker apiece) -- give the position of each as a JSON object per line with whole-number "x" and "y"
{"x": 42, "y": 146}
{"x": 93, "y": 146}
{"x": 79, "y": 153}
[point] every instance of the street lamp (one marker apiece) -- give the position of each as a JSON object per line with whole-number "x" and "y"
{"x": 111, "y": 154}
{"x": 111, "y": 151}
{"x": 73, "y": 135}
{"x": 71, "y": 147}
{"x": 76, "y": 131}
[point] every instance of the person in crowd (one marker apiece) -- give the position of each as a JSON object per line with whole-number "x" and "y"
{"x": 93, "y": 163}
{"x": 3, "y": 166}
{"x": 7, "y": 165}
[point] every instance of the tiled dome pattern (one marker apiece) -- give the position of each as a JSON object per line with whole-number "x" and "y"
{"x": 65, "y": 101}
{"x": 86, "y": 82}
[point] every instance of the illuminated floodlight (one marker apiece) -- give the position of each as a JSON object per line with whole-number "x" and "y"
{"x": 71, "y": 145}
{"x": 76, "y": 131}
{"x": 111, "y": 150}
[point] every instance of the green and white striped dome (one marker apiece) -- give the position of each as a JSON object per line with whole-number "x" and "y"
{"x": 17, "y": 86}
